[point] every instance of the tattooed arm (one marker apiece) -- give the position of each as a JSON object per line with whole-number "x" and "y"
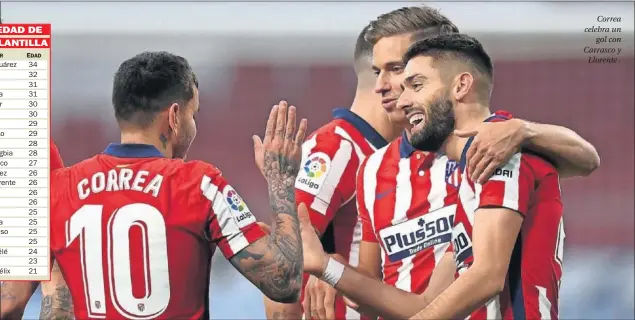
{"x": 56, "y": 298}
{"x": 274, "y": 263}
{"x": 14, "y": 296}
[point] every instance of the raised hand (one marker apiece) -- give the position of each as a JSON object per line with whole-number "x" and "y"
{"x": 278, "y": 155}
{"x": 275, "y": 263}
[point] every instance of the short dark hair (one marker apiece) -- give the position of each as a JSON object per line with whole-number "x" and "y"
{"x": 421, "y": 21}
{"x": 455, "y": 46}
{"x": 362, "y": 47}
{"x": 149, "y": 83}
{"x": 363, "y": 53}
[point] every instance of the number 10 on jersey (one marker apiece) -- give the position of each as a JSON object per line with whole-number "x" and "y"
{"x": 86, "y": 227}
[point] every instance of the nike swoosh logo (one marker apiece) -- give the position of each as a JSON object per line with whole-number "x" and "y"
{"x": 385, "y": 193}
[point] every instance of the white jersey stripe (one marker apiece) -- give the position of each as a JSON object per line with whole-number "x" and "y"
{"x": 358, "y": 150}
{"x": 544, "y": 305}
{"x": 338, "y": 166}
{"x": 370, "y": 182}
{"x": 360, "y": 155}
{"x": 436, "y": 198}
{"x": 403, "y": 200}
{"x": 511, "y": 197}
{"x": 493, "y": 308}
{"x": 223, "y": 212}
{"x": 438, "y": 190}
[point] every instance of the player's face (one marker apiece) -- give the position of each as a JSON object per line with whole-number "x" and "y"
{"x": 186, "y": 130}
{"x": 389, "y": 69}
{"x": 427, "y": 104}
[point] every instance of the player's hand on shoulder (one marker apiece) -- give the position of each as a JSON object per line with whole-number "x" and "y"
{"x": 319, "y": 300}
{"x": 493, "y": 145}
{"x": 278, "y": 154}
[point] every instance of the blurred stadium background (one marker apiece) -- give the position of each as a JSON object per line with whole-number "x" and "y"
{"x": 248, "y": 56}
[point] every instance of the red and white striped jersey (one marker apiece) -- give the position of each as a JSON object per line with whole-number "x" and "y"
{"x": 407, "y": 206}
{"x": 326, "y": 184}
{"x": 529, "y": 185}
{"x": 134, "y": 233}
{"x": 56, "y": 157}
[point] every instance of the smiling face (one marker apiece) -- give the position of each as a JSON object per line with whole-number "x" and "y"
{"x": 389, "y": 69}
{"x": 427, "y": 104}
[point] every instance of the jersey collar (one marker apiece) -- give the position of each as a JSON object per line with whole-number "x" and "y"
{"x": 405, "y": 147}
{"x": 360, "y": 124}
{"x": 498, "y": 115}
{"x": 132, "y": 150}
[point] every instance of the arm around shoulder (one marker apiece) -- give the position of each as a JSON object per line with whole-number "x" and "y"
{"x": 574, "y": 155}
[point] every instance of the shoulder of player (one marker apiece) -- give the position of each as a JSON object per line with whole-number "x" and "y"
{"x": 81, "y": 166}
{"x": 328, "y": 143}
{"x": 194, "y": 168}
{"x": 535, "y": 160}
{"x": 376, "y": 156}
{"x": 389, "y": 150}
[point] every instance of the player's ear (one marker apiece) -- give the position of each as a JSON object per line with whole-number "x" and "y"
{"x": 173, "y": 119}
{"x": 462, "y": 85}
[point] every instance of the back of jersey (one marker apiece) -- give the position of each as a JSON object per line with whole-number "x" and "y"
{"x": 132, "y": 235}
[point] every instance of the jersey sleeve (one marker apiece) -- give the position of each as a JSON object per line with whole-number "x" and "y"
{"x": 230, "y": 223}
{"x": 56, "y": 157}
{"x": 509, "y": 187}
{"x": 326, "y": 180}
{"x": 368, "y": 232}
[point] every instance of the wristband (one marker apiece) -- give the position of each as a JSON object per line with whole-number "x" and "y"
{"x": 333, "y": 272}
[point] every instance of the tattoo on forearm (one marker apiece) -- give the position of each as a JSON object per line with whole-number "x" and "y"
{"x": 276, "y": 265}
{"x": 57, "y": 305}
{"x": 283, "y": 315}
{"x": 5, "y": 292}
{"x": 281, "y": 172}
{"x": 264, "y": 264}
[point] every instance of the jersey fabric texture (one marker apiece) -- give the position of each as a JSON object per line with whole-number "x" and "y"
{"x": 407, "y": 206}
{"x": 529, "y": 185}
{"x": 134, "y": 233}
{"x": 326, "y": 184}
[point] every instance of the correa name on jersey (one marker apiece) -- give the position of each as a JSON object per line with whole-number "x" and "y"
{"x": 120, "y": 180}
{"x": 410, "y": 237}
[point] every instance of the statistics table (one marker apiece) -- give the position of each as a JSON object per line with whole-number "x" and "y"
{"x": 25, "y": 75}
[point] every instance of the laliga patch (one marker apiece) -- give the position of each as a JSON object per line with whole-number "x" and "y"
{"x": 413, "y": 236}
{"x": 313, "y": 173}
{"x": 240, "y": 211}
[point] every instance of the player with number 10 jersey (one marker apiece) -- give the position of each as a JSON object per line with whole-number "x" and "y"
{"x": 134, "y": 228}
{"x": 148, "y": 212}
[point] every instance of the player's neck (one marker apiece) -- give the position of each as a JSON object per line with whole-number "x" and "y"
{"x": 468, "y": 116}
{"x": 368, "y": 107}
{"x": 146, "y": 137}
